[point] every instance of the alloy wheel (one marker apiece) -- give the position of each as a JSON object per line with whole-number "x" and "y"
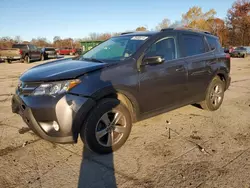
{"x": 110, "y": 128}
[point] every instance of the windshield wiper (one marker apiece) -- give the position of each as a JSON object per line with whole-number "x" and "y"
{"x": 94, "y": 60}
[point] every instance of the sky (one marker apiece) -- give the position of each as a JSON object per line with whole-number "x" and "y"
{"x": 77, "y": 18}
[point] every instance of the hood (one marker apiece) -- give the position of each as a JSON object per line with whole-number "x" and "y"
{"x": 60, "y": 70}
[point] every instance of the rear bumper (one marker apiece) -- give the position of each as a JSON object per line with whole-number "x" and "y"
{"x": 52, "y": 56}
{"x": 11, "y": 58}
{"x": 41, "y": 114}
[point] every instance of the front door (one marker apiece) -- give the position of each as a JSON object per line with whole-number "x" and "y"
{"x": 163, "y": 85}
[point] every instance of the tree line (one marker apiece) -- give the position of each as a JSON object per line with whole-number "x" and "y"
{"x": 234, "y": 30}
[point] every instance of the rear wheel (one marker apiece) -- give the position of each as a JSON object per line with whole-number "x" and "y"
{"x": 27, "y": 59}
{"x": 107, "y": 127}
{"x": 214, "y": 95}
{"x": 42, "y": 57}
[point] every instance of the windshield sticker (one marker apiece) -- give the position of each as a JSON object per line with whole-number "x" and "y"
{"x": 139, "y": 38}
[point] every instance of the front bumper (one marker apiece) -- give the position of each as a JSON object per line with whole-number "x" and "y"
{"x": 236, "y": 54}
{"x": 228, "y": 82}
{"x": 41, "y": 112}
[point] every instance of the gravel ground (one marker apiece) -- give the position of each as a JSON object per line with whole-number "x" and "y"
{"x": 187, "y": 147}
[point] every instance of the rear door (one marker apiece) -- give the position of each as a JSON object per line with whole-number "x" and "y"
{"x": 34, "y": 52}
{"x": 198, "y": 58}
{"x": 163, "y": 85}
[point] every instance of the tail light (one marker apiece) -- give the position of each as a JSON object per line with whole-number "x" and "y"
{"x": 228, "y": 56}
{"x": 20, "y": 52}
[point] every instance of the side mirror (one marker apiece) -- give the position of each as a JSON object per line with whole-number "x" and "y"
{"x": 155, "y": 60}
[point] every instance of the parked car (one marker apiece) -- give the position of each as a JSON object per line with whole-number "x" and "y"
{"x": 69, "y": 51}
{"x": 248, "y": 49}
{"x": 48, "y": 52}
{"x": 23, "y": 52}
{"x": 226, "y": 50}
{"x": 239, "y": 52}
{"x": 123, "y": 80}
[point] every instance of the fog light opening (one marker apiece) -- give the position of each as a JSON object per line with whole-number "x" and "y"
{"x": 55, "y": 125}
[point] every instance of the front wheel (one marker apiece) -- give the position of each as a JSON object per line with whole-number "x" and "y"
{"x": 214, "y": 95}
{"x": 7, "y": 61}
{"x": 107, "y": 127}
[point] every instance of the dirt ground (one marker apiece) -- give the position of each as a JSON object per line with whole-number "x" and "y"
{"x": 187, "y": 147}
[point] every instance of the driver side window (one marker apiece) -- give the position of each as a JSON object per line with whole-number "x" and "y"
{"x": 164, "y": 47}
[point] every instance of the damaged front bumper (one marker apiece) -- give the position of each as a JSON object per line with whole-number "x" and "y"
{"x": 56, "y": 119}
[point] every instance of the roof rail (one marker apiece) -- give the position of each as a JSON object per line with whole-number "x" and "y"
{"x": 124, "y": 33}
{"x": 186, "y": 28}
{"x": 167, "y": 29}
{"x": 193, "y": 29}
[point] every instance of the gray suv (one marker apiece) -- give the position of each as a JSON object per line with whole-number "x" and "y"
{"x": 125, "y": 79}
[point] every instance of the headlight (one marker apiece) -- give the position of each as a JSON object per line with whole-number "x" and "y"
{"x": 55, "y": 88}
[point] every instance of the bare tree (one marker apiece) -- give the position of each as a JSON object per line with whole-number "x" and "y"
{"x": 164, "y": 24}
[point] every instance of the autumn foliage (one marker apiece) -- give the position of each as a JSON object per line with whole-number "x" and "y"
{"x": 234, "y": 30}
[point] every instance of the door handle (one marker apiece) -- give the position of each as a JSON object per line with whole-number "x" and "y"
{"x": 179, "y": 69}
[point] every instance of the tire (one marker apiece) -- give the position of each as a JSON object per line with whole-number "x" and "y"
{"x": 103, "y": 112}
{"x": 214, "y": 95}
{"x": 7, "y": 61}
{"x": 244, "y": 55}
{"x": 42, "y": 57}
{"x": 27, "y": 59}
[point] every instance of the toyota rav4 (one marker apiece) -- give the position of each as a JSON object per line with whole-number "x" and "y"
{"x": 125, "y": 79}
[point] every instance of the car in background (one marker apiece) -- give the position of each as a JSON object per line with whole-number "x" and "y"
{"x": 69, "y": 51}
{"x": 226, "y": 50}
{"x": 248, "y": 49}
{"x": 239, "y": 52}
{"x": 48, "y": 52}
{"x": 24, "y": 52}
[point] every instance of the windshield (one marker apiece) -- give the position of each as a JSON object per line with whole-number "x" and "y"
{"x": 50, "y": 49}
{"x": 117, "y": 48}
{"x": 240, "y": 48}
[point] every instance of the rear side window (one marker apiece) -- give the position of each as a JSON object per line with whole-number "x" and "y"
{"x": 214, "y": 43}
{"x": 193, "y": 44}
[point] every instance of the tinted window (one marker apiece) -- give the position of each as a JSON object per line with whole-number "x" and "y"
{"x": 193, "y": 45}
{"x": 164, "y": 47}
{"x": 20, "y": 46}
{"x": 32, "y": 47}
{"x": 49, "y": 49}
{"x": 240, "y": 48}
{"x": 213, "y": 43}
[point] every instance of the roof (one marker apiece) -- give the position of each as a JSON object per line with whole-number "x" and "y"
{"x": 149, "y": 33}
{"x": 186, "y": 29}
